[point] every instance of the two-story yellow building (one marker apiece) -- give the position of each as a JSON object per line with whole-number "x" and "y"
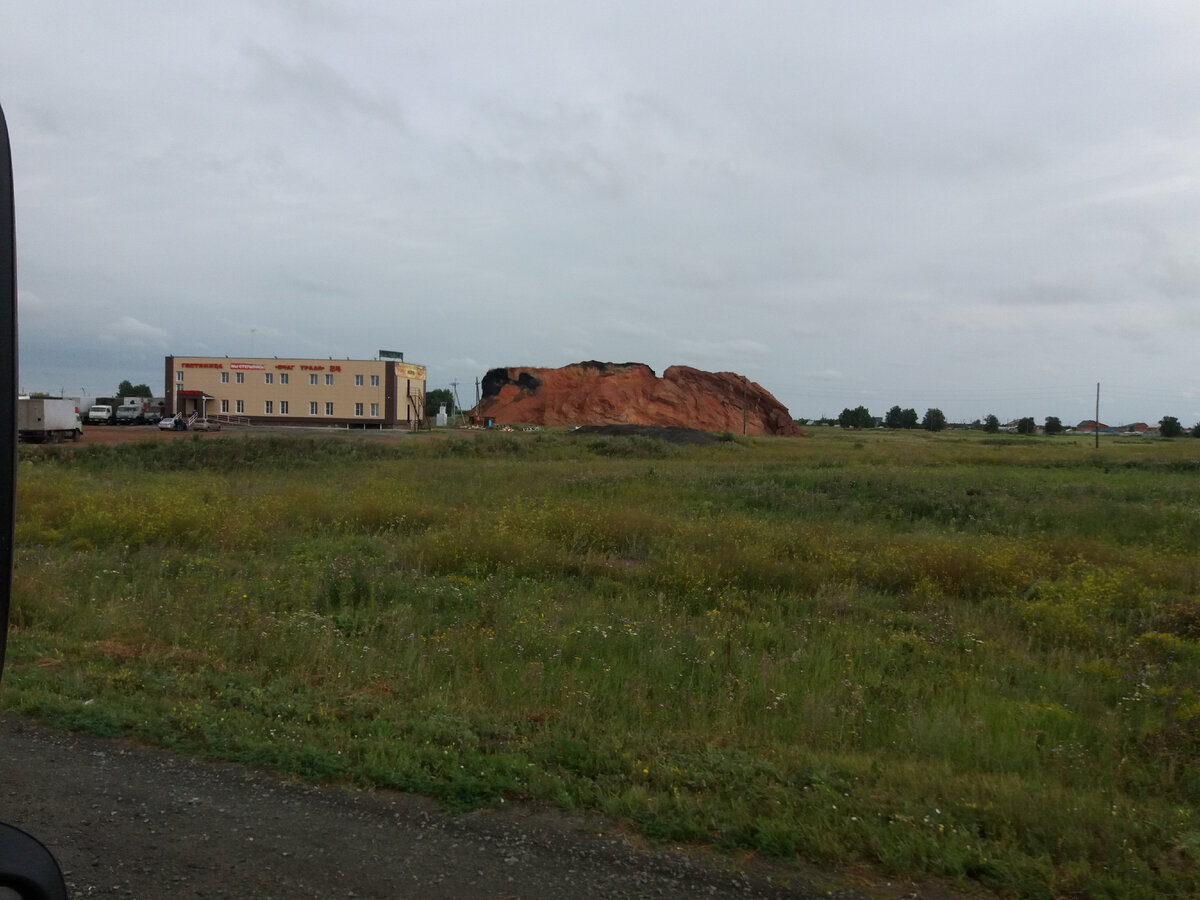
{"x": 364, "y": 393}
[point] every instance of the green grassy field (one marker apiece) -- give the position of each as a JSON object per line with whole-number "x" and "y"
{"x": 933, "y": 655}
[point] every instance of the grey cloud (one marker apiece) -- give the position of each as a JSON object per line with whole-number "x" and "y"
{"x": 1169, "y": 268}
{"x": 127, "y": 330}
{"x": 309, "y": 81}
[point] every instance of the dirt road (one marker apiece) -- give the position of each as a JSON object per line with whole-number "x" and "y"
{"x": 125, "y": 820}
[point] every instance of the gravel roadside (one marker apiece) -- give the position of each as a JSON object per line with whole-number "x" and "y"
{"x": 125, "y": 820}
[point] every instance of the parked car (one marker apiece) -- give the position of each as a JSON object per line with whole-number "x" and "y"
{"x": 173, "y": 423}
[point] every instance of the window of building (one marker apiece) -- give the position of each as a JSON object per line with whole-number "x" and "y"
{"x": 240, "y": 406}
{"x": 283, "y": 377}
{"x": 269, "y": 378}
{"x": 179, "y": 377}
{"x": 358, "y": 408}
{"x": 374, "y": 381}
{"x": 329, "y": 409}
{"x": 312, "y": 379}
{"x": 268, "y": 405}
{"x": 239, "y": 377}
{"x": 283, "y": 405}
{"x": 329, "y": 379}
{"x": 358, "y": 381}
{"x": 224, "y": 406}
{"x": 312, "y": 405}
{"x": 224, "y": 378}
{"x": 375, "y": 410}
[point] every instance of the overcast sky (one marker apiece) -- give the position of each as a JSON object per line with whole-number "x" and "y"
{"x": 985, "y": 207}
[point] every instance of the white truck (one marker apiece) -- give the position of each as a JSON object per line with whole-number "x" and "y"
{"x": 99, "y": 414}
{"x": 47, "y": 419}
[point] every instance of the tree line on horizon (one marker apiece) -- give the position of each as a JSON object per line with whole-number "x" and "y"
{"x": 935, "y": 420}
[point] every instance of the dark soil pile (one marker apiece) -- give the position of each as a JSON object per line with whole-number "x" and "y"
{"x": 671, "y": 434}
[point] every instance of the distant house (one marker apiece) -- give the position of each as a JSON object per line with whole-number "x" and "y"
{"x": 1089, "y": 426}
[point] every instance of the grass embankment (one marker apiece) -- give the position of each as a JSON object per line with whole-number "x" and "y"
{"x": 940, "y": 655}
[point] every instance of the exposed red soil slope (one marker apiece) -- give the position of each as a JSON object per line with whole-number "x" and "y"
{"x": 596, "y": 393}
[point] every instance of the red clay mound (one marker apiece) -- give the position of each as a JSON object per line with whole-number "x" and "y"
{"x": 597, "y": 393}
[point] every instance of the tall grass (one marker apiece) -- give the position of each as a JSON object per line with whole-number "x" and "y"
{"x": 930, "y": 654}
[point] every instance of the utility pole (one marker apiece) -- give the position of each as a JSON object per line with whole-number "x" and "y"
{"x": 461, "y": 418}
{"x": 1096, "y": 421}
